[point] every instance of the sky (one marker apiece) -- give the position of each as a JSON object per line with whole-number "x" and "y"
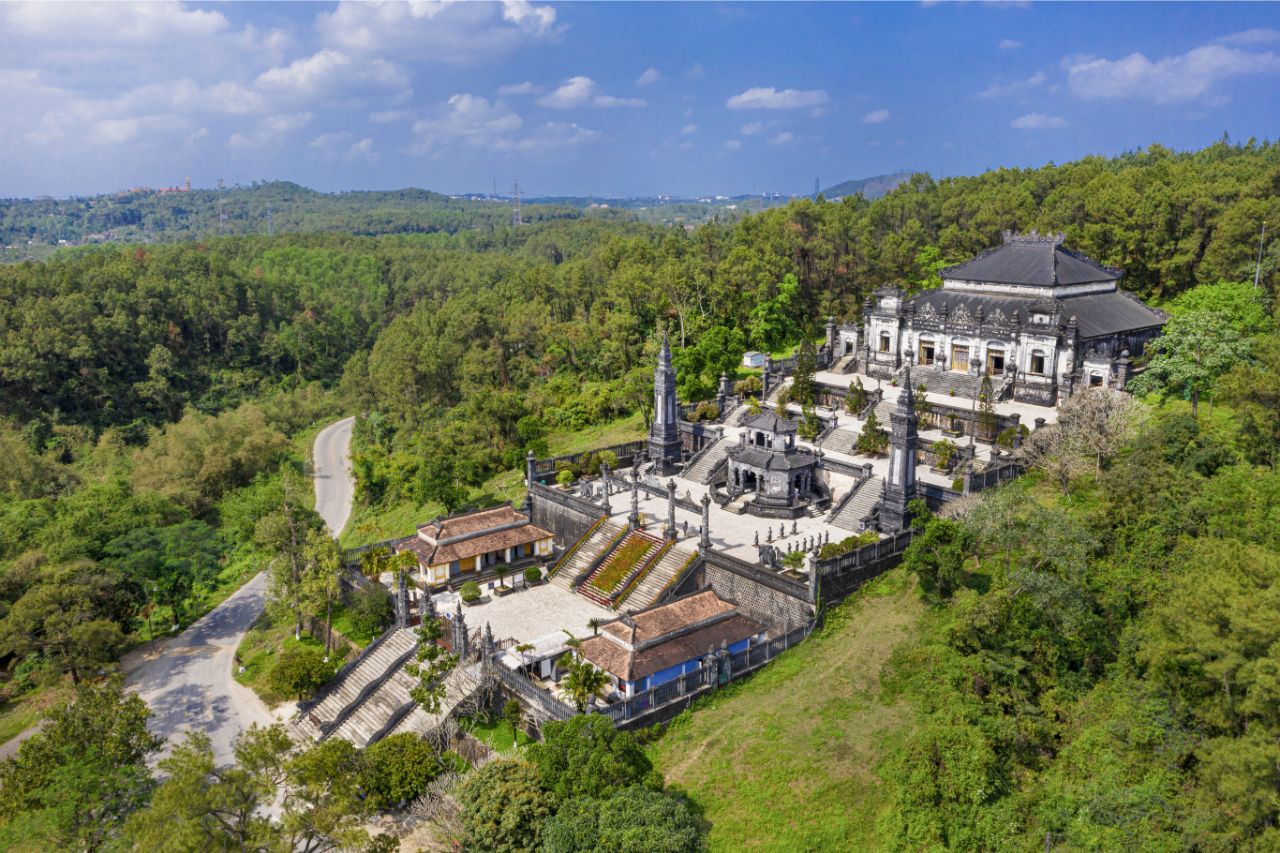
{"x": 613, "y": 99}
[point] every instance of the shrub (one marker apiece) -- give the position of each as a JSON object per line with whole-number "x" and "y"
{"x": 371, "y": 611}
{"x": 566, "y": 477}
{"x": 793, "y": 559}
{"x": 957, "y": 485}
{"x": 847, "y": 544}
{"x": 533, "y": 574}
{"x": 749, "y": 387}
{"x": 704, "y": 411}
{"x": 635, "y": 820}
{"x": 299, "y": 672}
{"x": 943, "y": 451}
{"x": 1005, "y": 438}
{"x": 585, "y": 756}
{"x": 503, "y": 807}
{"x": 470, "y": 592}
{"x": 397, "y": 769}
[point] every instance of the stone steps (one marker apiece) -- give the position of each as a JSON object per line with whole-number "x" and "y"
{"x": 841, "y": 440}
{"x": 460, "y": 684}
{"x": 586, "y": 553}
{"x": 602, "y": 597}
{"x": 700, "y": 471}
{"x": 858, "y": 508}
{"x": 947, "y": 381}
{"x": 656, "y": 579}
{"x": 372, "y": 668}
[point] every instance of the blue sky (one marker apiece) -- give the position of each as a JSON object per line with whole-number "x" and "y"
{"x": 612, "y": 98}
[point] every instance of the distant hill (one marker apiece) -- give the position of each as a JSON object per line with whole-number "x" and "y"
{"x": 32, "y": 227}
{"x": 872, "y": 187}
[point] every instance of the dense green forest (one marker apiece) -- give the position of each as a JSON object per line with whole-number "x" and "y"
{"x": 155, "y": 400}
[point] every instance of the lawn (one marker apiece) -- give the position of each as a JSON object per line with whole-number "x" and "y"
{"x": 498, "y": 736}
{"x": 258, "y": 651}
{"x": 785, "y": 760}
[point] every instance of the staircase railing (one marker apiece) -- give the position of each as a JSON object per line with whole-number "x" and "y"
{"x": 332, "y": 684}
{"x": 600, "y": 558}
{"x": 327, "y": 729}
{"x": 573, "y": 549}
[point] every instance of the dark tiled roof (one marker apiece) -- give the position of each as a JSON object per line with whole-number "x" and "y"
{"x": 770, "y": 422}
{"x": 1096, "y": 314}
{"x": 771, "y": 460}
{"x": 1039, "y": 262}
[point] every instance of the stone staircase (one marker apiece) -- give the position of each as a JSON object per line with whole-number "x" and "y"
{"x": 858, "y": 508}
{"x": 461, "y": 684}
{"x": 841, "y": 440}
{"x": 356, "y": 685}
{"x": 845, "y": 364}
{"x": 585, "y": 551}
{"x": 947, "y": 381}
{"x": 635, "y": 538}
{"x": 656, "y": 579}
{"x": 702, "y": 469}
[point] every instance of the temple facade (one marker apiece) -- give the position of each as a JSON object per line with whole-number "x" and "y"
{"x": 1037, "y": 317}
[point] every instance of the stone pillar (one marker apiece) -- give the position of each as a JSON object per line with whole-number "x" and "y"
{"x": 633, "y": 520}
{"x": 461, "y": 637}
{"x": 705, "y": 542}
{"x": 402, "y": 600}
{"x": 900, "y": 483}
{"x": 766, "y": 377}
{"x": 664, "y": 433}
{"x": 487, "y": 644}
{"x": 670, "y": 532}
{"x": 529, "y": 460}
{"x": 604, "y": 479}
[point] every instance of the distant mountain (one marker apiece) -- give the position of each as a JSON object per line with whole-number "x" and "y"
{"x": 872, "y": 187}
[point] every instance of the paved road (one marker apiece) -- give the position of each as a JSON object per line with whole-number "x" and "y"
{"x": 334, "y": 486}
{"x": 189, "y": 685}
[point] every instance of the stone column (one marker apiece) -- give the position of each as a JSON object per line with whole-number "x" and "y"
{"x": 670, "y": 532}
{"x": 461, "y": 637}
{"x": 487, "y": 644}
{"x": 705, "y": 543}
{"x": 529, "y": 460}
{"x": 604, "y": 479}
{"x": 633, "y": 520}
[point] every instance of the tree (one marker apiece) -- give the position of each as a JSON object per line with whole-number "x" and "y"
{"x": 1054, "y": 450}
{"x": 634, "y": 820}
{"x": 171, "y": 561}
{"x": 802, "y": 387}
{"x": 987, "y": 421}
{"x": 1099, "y": 422}
{"x": 440, "y": 480}
{"x": 284, "y": 533}
{"x": 856, "y": 400}
{"x": 323, "y": 810}
{"x": 771, "y": 323}
{"x": 322, "y": 579}
{"x": 70, "y": 785}
{"x": 582, "y": 681}
{"x": 370, "y": 610}
{"x": 434, "y": 663}
{"x": 587, "y": 756}
{"x": 299, "y": 671}
{"x": 874, "y": 439}
{"x": 1253, "y": 391}
{"x": 937, "y": 556}
{"x": 513, "y": 713}
{"x": 1194, "y": 350}
{"x": 503, "y": 807}
{"x": 398, "y": 768}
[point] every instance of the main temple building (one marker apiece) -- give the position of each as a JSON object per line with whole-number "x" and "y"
{"x": 1032, "y": 314}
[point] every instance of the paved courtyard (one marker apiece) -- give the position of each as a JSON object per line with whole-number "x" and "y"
{"x": 534, "y": 615}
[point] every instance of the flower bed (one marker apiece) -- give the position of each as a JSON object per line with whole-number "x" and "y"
{"x": 629, "y": 555}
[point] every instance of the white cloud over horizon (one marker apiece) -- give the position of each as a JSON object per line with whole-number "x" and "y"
{"x": 1174, "y": 79}
{"x": 875, "y": 117}
{"x": 769, "y": 98}
{"x": 1037, "y": 121}
{"x": 583, "y": 91}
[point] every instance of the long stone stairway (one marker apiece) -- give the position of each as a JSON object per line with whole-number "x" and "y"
{"x": 858, "y": 508}
{"x": 656, "y": 579}
{"x": 356, "y": 685}
{"x": 702, "y": 469}
{"x": 585, "y": 551}
{"x": 841, "y": 440}
{"x": 461, "y": 684}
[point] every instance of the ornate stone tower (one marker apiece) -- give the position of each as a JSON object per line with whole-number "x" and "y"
{"x": 900, "y": 485}
{"x": 664, "y": 434}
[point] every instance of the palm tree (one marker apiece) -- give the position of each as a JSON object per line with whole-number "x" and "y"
{"x": 583, "y": 681}
{"x": 594, "y": 624}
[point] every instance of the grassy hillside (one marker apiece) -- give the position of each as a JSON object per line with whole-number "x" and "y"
{"x": 786, "y": 760}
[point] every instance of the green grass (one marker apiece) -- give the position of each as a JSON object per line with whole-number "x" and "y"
{"x": 258, "y": 651}
{"x": 498, "y": 735}
{"x": 21, "y": 713}
{"x": 785, "y": 760}
{"x": 630, "y": 428}
{"x": 343, "y": 625}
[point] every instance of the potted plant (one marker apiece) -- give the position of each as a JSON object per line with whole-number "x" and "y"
{"x": 943, "y": 451}
{"x": 470, "y": 593}
{"x": 565, "y": 478}
{"x": 532, "y": 576}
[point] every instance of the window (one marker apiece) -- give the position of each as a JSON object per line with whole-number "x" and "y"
{"x": 884, "y": 342}
{"x": 995, "y": 362}
{"x": 1037, "y": 363}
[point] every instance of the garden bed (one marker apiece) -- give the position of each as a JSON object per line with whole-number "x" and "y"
{"x": 629, "y": 555}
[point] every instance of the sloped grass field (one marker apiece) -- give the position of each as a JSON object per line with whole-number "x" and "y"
{"x": 786, "y": 760}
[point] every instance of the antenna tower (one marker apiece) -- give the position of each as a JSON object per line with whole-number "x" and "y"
{"x": 515, "y": 191}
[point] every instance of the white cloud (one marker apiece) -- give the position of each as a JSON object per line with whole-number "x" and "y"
{"x": 390, "y": 116}
{"x": 1009, "y": 44}
{"x": 650, "y": 75}
{"x": 269, "y": 131}
{"x": 441, "y": 32}
{"x": 135, "y": 23}
{"x": 689, "y": 128}
{"x": 474, "y": 123}
{"x": 876, "y": 117}
{"x": 583, "y": 91}
{"x": 695, "y": 71}
{"x": 1257, "y": 35}
{"x": 732, "y": 144}
{"x": 751, "y": 128}
{"x": 332, "y": 74}
{"x": 113, "y": 131}
{"x": 525, "y": 88}
{"x": 769, "y": 98}
{"x": 1003, "y": 90}
{"x": 1186, "y": 77}
{"x": 782, "y": 138}
{"x": 338, "y": 146}
{"x": 1037, "y": 121}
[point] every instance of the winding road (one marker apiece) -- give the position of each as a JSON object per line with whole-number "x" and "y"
{"x": 188, "y": 684}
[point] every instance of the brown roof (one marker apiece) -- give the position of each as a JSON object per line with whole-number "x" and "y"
{"x": 469, "y": 523}
{"x": 657, "y": 622}
{"x": 630, "y": 664}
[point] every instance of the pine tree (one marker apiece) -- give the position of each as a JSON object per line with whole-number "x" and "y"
{"x": 874, "y": 439}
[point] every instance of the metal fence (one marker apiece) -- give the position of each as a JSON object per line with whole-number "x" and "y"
{"x": 540, "y": 700}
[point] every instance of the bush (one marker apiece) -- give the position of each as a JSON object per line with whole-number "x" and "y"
{"x": 704, "y": 411}
{"x": 533, "y": 574}
{"x": 636, "y": 820}
{"x": 585, "y": 756}
{"x": 470, "y": 592}
{"x": 1005, "y": 438}
{"x": 299, "y": 671}
{"x": 397, "y": 769}
{"x": 566, "y": 477}
{"x": 749, "y": 387}
{"x": 370, "y": 610}
{"x": 943, "y": 451}
{"x": 503, "y": 807}
{"x": 847, "y": 544}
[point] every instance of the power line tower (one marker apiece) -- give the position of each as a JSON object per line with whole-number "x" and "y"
{"x": 515, "y": 217}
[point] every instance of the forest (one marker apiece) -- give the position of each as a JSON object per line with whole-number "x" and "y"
{"x": 156, "y": 402}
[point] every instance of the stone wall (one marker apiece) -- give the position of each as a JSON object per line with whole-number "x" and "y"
{"x": 567, "y": 516}
{"x": 780, "y": 604}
